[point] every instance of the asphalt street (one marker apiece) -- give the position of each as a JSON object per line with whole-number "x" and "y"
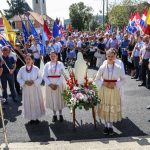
{"x": 135, "y": 120}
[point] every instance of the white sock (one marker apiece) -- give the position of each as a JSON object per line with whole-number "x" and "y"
{"x": 110, "y": 124}
{"x": 60, "y": 112}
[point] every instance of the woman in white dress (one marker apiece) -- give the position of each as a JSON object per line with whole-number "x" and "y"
{"x": 109, "y": 80}
{"x": 30, "y": 79}
{"x": 54, "y": 85}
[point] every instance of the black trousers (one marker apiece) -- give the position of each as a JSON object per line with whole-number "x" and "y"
{"x": 125, "y": 62}
{"x": 145, "y": 72}
{"x": 10, "y": 78}
{"x": 17, "y": 85}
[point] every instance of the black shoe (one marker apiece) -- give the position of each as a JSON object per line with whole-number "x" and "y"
{"x": 106, "y": 131}
{"x": 54, "y": 118}
{"x": 61, "y": 119}
{"x": 111, "y": 131}
{"x": 148, "y": 107}
{"x": 143, "y": 84}
{"x": 31, "y": 122}
{"x": 134, "y": 78}
{"x": 37, "y": 121}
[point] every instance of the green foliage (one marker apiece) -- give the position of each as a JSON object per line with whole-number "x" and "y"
{"x": 93, "y": 25}
{"x": 80, "y": 16}
{"x": 119, "y": 14}
{"x": 16, "y": 7}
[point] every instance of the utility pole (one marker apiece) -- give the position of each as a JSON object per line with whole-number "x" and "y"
{"x": 103, "y": 14}
{"x": 107, "y": 10}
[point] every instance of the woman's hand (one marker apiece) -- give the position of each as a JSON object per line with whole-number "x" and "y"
{"x": 110, "y": 85}
{"x": 53, "y": 86}
{"x": 29, "y": 82}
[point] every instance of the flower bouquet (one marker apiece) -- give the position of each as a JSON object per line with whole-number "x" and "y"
{"x": 80, "y": 95}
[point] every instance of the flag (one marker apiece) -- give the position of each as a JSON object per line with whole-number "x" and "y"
{"x": 148, "y": 17}
{"x": 33, "y": 31}
{"x": 36, "y": 36}
{"x": 143, "y": 19}
{"x": 55, "y": 30}
{"x": 70, "y": 28}
{"x": 4, "y": 41}
{"x": 10, "y": 34}
{"x": 46, "y": 30}
{"x": 25, "y": 31}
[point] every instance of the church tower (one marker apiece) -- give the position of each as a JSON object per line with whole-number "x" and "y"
{"x": 39, "y": 6}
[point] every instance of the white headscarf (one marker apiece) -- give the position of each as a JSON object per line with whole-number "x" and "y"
{"x": 80, "y": 68}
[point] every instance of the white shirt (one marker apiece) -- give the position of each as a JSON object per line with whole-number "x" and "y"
{"x": 35, "y": 48}
{"x": 12, "y": 54}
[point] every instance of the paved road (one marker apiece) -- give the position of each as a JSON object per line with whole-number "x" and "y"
{"x": 135, "y": 120}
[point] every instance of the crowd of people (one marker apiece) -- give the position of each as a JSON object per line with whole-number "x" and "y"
{"x": 21, "y": 68}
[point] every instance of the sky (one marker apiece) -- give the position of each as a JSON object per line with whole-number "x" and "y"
{"x": 60, "y": 8}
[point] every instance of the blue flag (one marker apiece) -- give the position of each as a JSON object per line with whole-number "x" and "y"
{"x": 4, "y": 42}
{"x": 55, "y": 30}
{"x": 25, "y": 32}
{"x": 36, "y": 36}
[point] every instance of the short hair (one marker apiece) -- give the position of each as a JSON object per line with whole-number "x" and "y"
{"x": 101, "y": 38}
{"x": 111, "y": 51}
{"x": 5, "y": 47}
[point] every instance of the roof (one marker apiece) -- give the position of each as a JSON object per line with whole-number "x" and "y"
{"x": 32, "y": 16}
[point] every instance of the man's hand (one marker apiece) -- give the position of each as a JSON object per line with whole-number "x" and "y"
{"x": 11, "y": 71}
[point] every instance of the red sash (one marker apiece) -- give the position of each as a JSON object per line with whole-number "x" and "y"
{"x": 54, "y": 76}
{"x": 110, "y": 80}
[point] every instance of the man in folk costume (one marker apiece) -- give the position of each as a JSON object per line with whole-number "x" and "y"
{"x": 54, "y": 85}
{"x": 80, "y": 68}
{"x": 30, "y": 79}
{"x": 109, "y": 80}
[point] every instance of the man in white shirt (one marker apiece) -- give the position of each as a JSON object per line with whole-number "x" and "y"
{"x": 36, "y": 49}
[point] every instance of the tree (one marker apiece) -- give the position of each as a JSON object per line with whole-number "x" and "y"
{"x": 80, "y": 16}
{"x": 16, "y": 7}
{"x": 93, "y": 25}
{"x": 119, "y": 14}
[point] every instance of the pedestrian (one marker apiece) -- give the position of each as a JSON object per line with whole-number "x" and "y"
{"x": 54, "y": 85}
{"x": 36, "y": 50}
{"x": 144, "y": 59}
{"x": 9, "y": 66}
{"x": 30, "y": 79}
{"x": 109, "y": 80}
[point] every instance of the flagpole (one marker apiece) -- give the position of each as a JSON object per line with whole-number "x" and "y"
{"x": 14, "y": 52}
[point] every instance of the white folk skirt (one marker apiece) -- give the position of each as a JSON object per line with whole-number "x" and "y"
{"x": 33, "y": 102}
{"x": 54, "y": 98}
{"x": 110, "y": 105}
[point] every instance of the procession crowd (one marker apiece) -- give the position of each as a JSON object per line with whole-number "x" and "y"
{"x": 25, "y": 79}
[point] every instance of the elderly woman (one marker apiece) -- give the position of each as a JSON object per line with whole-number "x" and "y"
{"x": 30, "y": 79}
{"x": 54, "y": 85}
{"x": 109, "y": 80}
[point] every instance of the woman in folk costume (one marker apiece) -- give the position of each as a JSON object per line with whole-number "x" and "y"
{"x": 109, "y": 80}
{"x": 80, "y": 68}
{"x": 30, "y": 79}
{"x": 54, "y": 85}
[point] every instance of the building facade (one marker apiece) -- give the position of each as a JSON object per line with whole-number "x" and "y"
{"x": 39, "y": 6}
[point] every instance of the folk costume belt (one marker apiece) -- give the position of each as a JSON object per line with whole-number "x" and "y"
{"x": 55, "y": 76}
{"x": 110, "y": 80}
